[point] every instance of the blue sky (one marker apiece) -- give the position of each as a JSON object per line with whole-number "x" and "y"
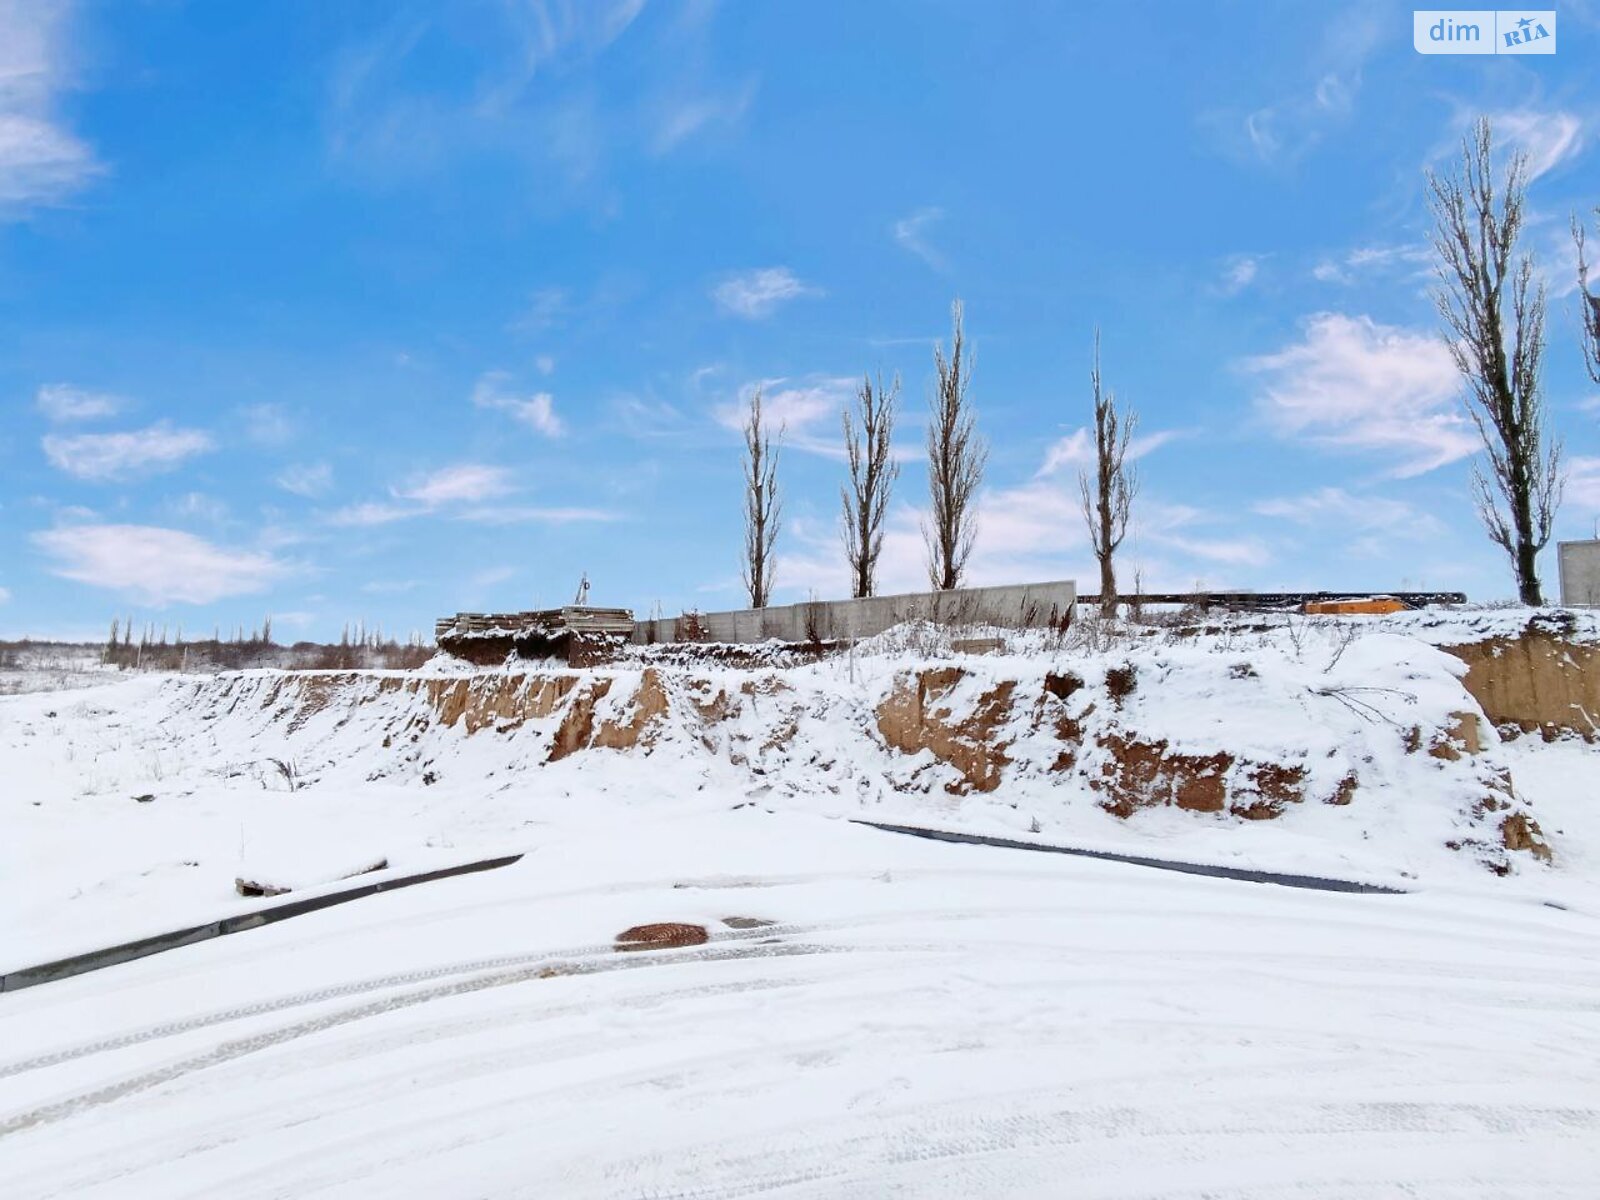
{"x": 376, "y": 312}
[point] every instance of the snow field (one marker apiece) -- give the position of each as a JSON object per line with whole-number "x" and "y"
{"x": 923, "y": 1020}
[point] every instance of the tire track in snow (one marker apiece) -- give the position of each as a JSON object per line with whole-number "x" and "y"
{"x": 568, "y": 960}
{"x": 881, "y": 1156}
{"x": 603, "y": 950}
{"x": 549, "y": 967}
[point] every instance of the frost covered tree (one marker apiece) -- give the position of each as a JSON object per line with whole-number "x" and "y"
{"x": 1590, "y": 303}
{"x": 762, "y": 507}
{"x": 1108, "y": 496}
{"x": 868, "y": 452}
{"x": 1493, "y": 312}
{"x": 956, "y": 458}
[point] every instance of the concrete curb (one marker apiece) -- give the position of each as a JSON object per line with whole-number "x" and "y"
{"x": 1312, "y": 882}
{"x": 94, "y": 960}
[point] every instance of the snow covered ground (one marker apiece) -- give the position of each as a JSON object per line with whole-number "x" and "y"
{"x": 919, "y": 1019}
{"x": 51, "y": 667}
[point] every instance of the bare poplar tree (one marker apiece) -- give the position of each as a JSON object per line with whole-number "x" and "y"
{"x": 1108, "y": 500}
{"x": 762, "y": 507}
{"x": 956, "y": 458}
{"x": 1590, "y": 304}
{"x": 1493, "y": 312}
{"x": 872, "y": 475}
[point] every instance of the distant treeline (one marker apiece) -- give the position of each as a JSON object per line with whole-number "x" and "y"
{"x": 358, "y": 647}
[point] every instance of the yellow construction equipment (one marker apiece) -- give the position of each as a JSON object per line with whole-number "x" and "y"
{"x": 1374, "y": 607}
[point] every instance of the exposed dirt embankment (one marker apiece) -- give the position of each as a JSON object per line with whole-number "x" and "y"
{"x": 1381, "y": 741}
{"x": 1538, "y": 682}
{"x": 921, "y": 713}
{"x": 1129, "y": 758}
{"x": 574, "y": 702}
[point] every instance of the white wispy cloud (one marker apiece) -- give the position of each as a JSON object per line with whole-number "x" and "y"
{"x": 1231, "y": 552}
{"x": 1287, "y": 128}
{"x": 1402, "y": 261}
{"x": 306, "y": 479}
{"x": 1583, "y": 484}
{"x": 268, "y": 424}
{"x": 547, "y": 308}
{"x": 464, "y": 492}
{"x": 1549, "y": 139}
{"x": 198, "y": 506}
{"x": 543, "y": 34}
{"x": 803, "y": 414}
{"x": 681, "y": 120}
{"x": 1076, "y": 449}
{"x": 911, "y": 234}
{"x": 157, "y": 566}
{"x": 490, "y": 576}
{"x": 390, "y": 115}
{"x": 1238, "y": 273}
{"x": 1191, "y": 533}
{"x": 61, "y": 402}
{"x": 1340, "y": 510}
{"x": 42, "y": 162}
{"x": 646, "y": 417}
{"x": 1354, "y": 384}
{"x": 462, "y": 482}
{"x": 1036, "y": 531}
{"x": 536, "y": 411}
{"x": 113, "y": 457}
{"x": 390, "y": 587}
{"x": 756, "y": 294}
{"x": 374, "y": 512}
{"x": 533, "y": 514}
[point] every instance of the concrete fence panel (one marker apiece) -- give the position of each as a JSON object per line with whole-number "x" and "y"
{"x": 1012, "y": 606}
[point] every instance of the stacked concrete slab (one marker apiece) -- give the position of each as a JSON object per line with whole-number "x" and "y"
{"x": 1014, "y": 606}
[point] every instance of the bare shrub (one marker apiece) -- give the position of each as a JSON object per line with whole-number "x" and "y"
{"x": 1344, "y": 635}
{"x": 690, "y": 628}
{"x": 1121, "y": 682}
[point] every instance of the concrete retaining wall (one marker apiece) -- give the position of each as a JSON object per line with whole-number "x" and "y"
{"x": 1580, "y": 572}
{"x": 1014, "y": 606}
